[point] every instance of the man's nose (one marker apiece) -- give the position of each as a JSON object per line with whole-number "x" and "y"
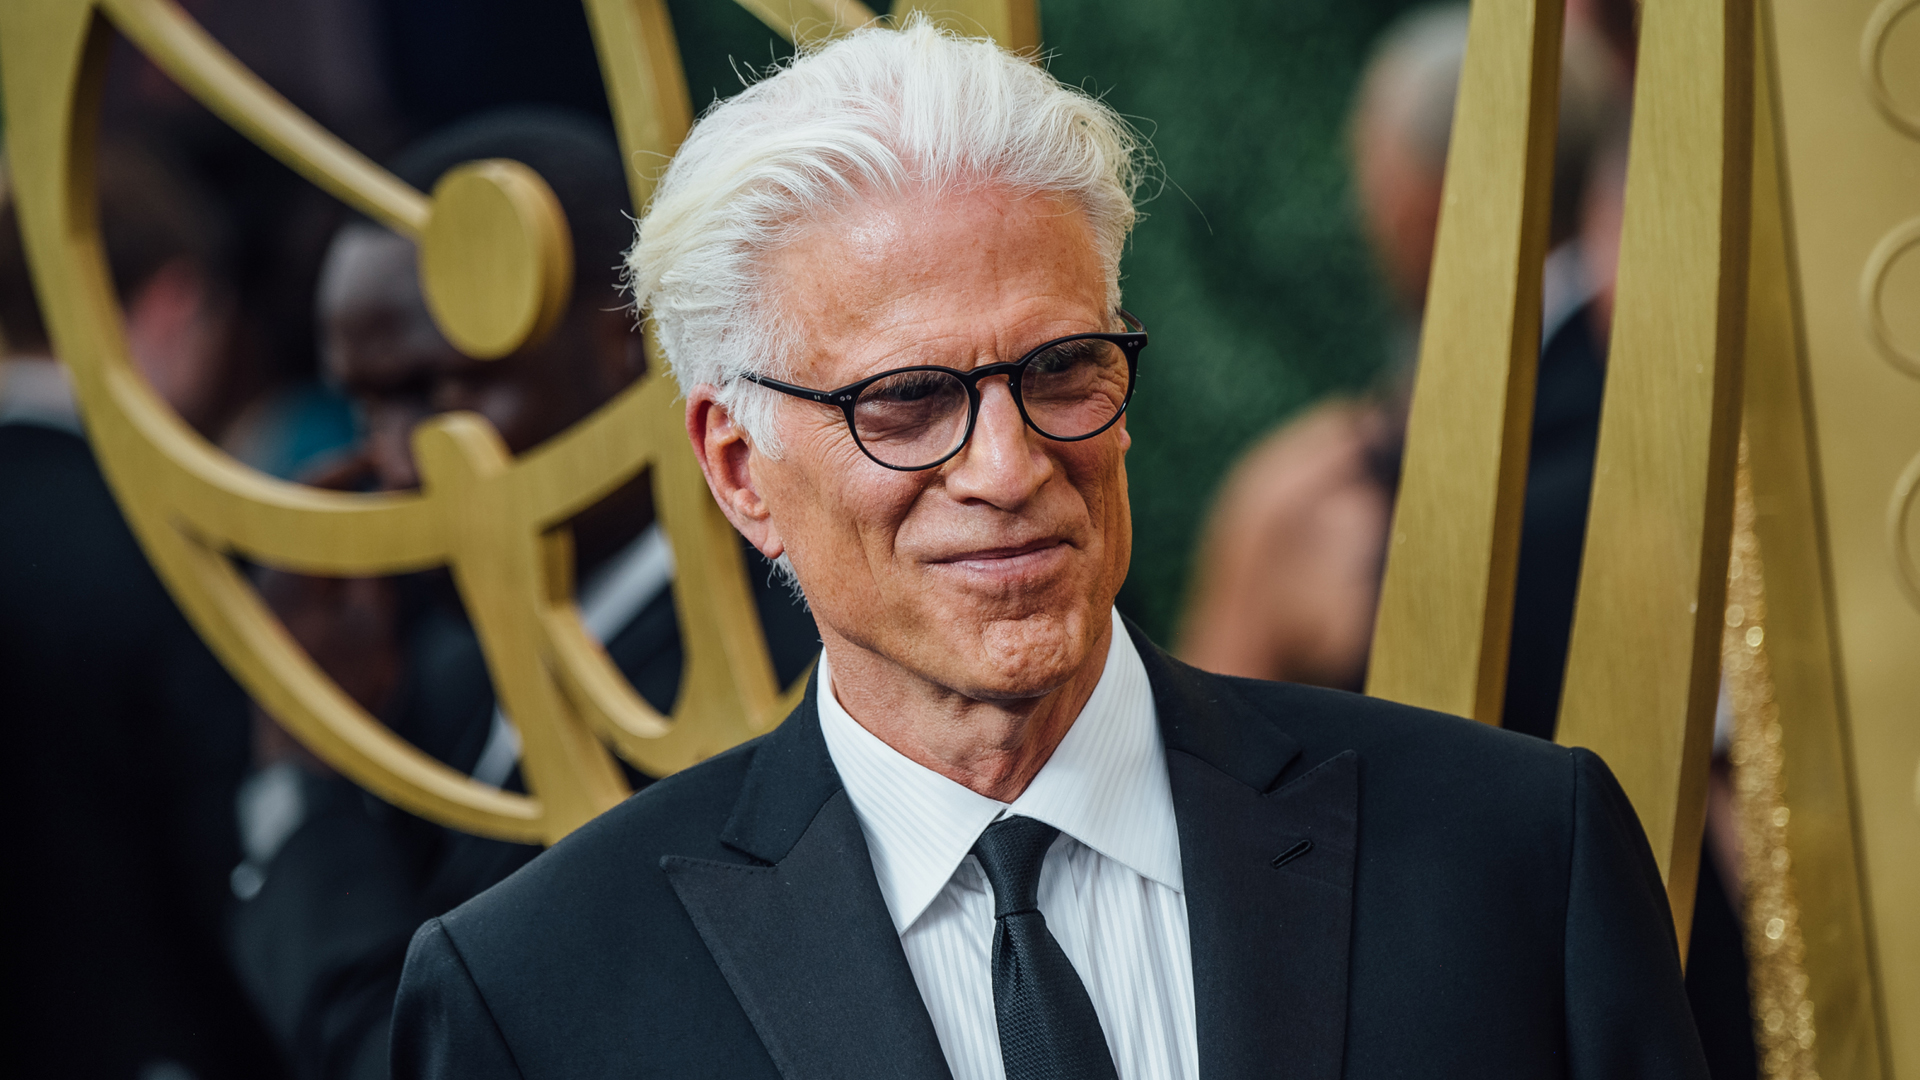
{"x": 1004, "y": 463}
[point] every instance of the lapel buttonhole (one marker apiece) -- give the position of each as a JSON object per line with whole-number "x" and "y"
{"x": 1292, "y": 853}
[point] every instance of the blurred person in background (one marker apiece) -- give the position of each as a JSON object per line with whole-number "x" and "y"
{"x": 1289, "y": 575}
{"x": 335, "y": 883}
{"x": 128, "y": 739}
{"x": 1288, "y": 578}
{"x": 379, "y": 74}
{"x": 323, "y": 55}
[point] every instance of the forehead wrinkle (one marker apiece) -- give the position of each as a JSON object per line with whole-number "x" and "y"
{"x": 911, "y": 266}
{"x": 883, "y": 344}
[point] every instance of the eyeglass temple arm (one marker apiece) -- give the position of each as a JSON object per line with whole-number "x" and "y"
{"x": 822, "y": 396}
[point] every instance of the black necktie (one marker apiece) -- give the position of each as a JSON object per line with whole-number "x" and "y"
{"x": 1048, "y": 1029}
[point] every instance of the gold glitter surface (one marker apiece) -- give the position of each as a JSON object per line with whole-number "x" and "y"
{"x": 1782, "y": 1012}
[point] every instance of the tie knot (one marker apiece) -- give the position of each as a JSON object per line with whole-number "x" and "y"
{"x": 1011, "y": 852}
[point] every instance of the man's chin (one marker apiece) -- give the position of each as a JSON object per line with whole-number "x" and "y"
{"x": 1011, "y": 659}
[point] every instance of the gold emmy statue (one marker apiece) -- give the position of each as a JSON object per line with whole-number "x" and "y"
{"x": 1752, "y": 509}
{"x": 495, "y": 268}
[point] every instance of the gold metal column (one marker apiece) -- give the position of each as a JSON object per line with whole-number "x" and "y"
{"x": 1446, "y": 604}
{"x": 1643, "y": 661}
{"x": 1792, "y": 764}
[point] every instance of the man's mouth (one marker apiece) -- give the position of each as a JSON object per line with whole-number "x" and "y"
{"x": 1012, "y": 559}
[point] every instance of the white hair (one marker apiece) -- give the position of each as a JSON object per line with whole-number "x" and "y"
{"x": 878, "y": 114}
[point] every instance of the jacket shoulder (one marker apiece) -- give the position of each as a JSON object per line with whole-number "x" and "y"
{"x": 1415, "y": 762}
{"x": 591, "y": 922}
{"x": 1314, "y": 715}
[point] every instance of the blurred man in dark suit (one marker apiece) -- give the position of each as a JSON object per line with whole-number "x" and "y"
{"x": 1288, "y": 580}
{"x": 127, "y": 738}
{"x": 335, "y": 882}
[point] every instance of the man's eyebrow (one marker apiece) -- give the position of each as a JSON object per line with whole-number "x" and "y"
{"x": 1077, "y": 345}
{"x": 930, "y": 354}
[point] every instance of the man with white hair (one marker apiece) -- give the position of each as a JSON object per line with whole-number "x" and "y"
{"x": 1004, "y": 835}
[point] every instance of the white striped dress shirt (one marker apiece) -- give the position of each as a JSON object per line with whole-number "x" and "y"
{"x": 1111, "y": 887}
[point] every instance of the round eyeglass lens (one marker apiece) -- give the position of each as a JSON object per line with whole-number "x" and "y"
{"x": 912, "y": 418}
{"x": 1075, "y": 388}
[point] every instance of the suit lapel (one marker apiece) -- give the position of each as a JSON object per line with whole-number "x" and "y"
{"x": 804, "y": 939}
{"x": 1269, "y": 878}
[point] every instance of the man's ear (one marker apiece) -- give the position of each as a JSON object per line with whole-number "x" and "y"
{"x": 726, "y": 458}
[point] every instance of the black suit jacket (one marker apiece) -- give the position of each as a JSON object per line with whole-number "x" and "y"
{"x": 125, "y": 743}
{"x": 1372, "y": 891}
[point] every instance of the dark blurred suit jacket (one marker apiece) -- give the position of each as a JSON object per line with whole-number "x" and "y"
{"x": 126, "y": 741}
{"x": 1473, "y": 903}
{"x": 322, "y": 943}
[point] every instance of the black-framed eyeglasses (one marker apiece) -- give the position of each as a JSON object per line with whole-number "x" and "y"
{"x": 912, "y": 418}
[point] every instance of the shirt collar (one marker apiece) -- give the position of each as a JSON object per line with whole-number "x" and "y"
{"x": 1105, "y": 785}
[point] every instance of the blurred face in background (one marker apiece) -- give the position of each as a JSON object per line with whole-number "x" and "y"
{"x": 379, "y": 345}
{"x": 1398, "y": 182}
{"x": 1402, "y": 124}
{"x": 177, "y": 326}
